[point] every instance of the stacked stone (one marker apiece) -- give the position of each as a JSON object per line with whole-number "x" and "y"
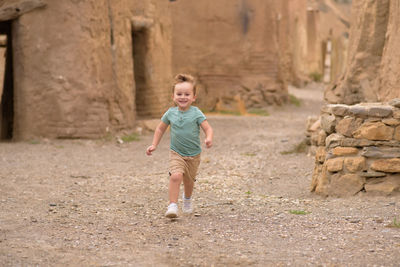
{"x": 358, "y": 149}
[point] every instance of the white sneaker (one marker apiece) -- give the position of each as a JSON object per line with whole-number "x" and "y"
{"x": 172, "y": 211}
{"x": 187, "y": 204}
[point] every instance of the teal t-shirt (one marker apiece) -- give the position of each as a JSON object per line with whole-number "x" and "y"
{"x": 185, "y": 130}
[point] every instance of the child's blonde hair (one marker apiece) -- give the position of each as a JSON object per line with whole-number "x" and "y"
{"x": 181, "y": 78}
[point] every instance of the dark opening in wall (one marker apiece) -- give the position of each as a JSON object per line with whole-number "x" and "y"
{"x": 141, "y": 75}
{"x": 6, "y": 82}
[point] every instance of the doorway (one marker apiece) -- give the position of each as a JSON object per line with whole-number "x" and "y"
{"x": 6, "y": 82}
{"x": 141, "y": 77}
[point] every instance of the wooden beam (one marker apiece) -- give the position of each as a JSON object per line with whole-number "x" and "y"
{"x": 14, "y": 9}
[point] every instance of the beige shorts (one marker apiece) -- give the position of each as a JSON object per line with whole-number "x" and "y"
{"x": 186, "y": 165}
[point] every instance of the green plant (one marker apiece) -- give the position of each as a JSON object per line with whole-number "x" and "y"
{"x": 248, "y": 193}
{"x": 204, "y": 110}
{"x": 259, "y": 112}
{"x": 299, "y": 212}
{"x": 229, "y": 112}
{"x": 130, "y": 138}
{"x": 395, "y": 223}
{"x": 299, "y": 148}
{"x": 294, "y": 100}
{"x": 107, "y": 137}
{"x": 249, "y": 154}
{"x": 316, "y": 76}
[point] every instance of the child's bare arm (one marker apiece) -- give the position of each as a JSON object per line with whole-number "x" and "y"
{"x": 158, "y": 133}
{"x": 209, "y": 133}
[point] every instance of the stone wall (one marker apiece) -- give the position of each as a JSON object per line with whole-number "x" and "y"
{"x": 357, "y": 149}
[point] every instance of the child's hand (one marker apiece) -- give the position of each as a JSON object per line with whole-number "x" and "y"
{"x": 208, "y": 143}
{"x": 150, "y": 149}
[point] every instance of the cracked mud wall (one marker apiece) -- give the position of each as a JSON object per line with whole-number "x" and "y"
{"x": 373, "y": 62}
{"x": 64, "y": 82}
{"x": 388, "y": 81}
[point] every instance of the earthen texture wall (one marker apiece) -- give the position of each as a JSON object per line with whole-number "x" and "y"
{"x": 294, "y": 33}
{"x": 374, "y": 58}
{"x": 358, "y": 149}
{"x": 74, "y": 74}
{"x": 233, "y": 47}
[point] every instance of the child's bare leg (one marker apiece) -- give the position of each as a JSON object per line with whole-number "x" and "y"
{"x": 188, "y": 184}
{"x": 175, "y": 181}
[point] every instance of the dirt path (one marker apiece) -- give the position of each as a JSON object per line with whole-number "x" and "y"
{"x": 95, "y": 203}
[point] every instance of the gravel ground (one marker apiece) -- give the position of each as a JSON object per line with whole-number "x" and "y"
{"x": 99, "y": 203}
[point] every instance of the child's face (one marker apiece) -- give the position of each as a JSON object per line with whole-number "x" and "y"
{"x": 183, "y": 95}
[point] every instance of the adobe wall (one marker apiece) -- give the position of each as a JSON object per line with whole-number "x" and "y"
{"x": 374, "y": 58}
{"x": 74, "y": 74}
{"x": 328, "y": 40}
{"x": 233, "y": 48}
{"x": 388, "y": 81}
{"x": 294, "y": 32}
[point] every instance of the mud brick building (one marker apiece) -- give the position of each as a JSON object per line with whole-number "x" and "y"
{"x": 84, "y": 69}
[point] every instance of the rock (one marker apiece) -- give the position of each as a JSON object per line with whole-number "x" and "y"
{"x": 370, "y": 174}
{"x": 355, "y": 164}
{"x": 315, "y": 126}
{"x": 328, "y": 123}
{"x": 334, "y": 140}
{"x": 320, "y": 154}
{"x": 343, "y": 151}
{"x": 384, "y": 186}
{"x": 397, "y": 133}
{"x": 395, "y": 102}
{"x": 339, "y": 109}
{"x": 334, "y": 165}
{"x": 322, "y": 181}
{"x": 391, "y": 121}
{"x": 374, "y": 131}
{"x": 392, "y": 143}
{"x": 381, "y": 152}
{"x": 311, "y": 120}
{"x": 321, "y": 138}
{"x": 352, "y": 142}
{"x": 327, "y": 109}
{"x": 396, "y": 114}
{"x": 381, "y": 111}
{"x": 348, "y": 125}
{"x": 386, "y": 165}
{"x": 345, "y": 185}
{"x": 314, "y": 138}
{"x": 359, "y": 111}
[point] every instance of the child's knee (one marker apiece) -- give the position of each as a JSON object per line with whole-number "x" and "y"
{"x": 176, "y": 177}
